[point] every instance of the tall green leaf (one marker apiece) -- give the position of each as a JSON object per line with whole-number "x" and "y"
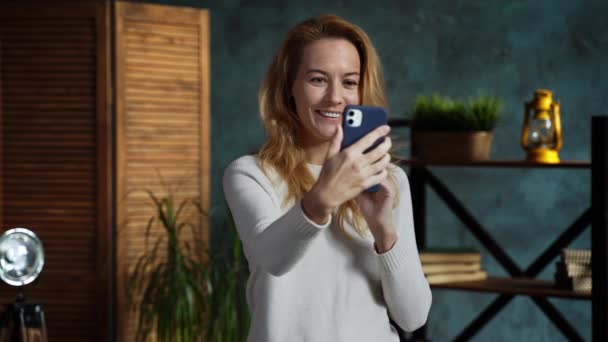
{"x": 180, "y": 295}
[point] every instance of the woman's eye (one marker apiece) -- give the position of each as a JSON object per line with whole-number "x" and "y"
{"x": 317, "y": 80}
{"x": 350, "y": 83}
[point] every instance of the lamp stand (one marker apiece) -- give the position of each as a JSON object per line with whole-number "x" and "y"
{"x": 25, "y": 322}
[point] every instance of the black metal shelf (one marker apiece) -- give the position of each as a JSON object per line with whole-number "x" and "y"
{"x": 521, "y": 281}
{"x": 565, "y": 164}
{"x": 515, "y": 286}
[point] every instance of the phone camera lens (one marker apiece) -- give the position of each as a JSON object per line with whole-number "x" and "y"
{"x": 350, "y": 121}
{"x": 351, "y": 113}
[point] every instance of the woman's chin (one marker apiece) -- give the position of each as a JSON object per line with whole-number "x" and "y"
{"x": 323, "y": 132}
{"x": 328, "y": 129}
{"x": 328, "y": 134}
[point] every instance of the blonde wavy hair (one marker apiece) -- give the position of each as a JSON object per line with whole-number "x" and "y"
{"x": 277, "y": 107}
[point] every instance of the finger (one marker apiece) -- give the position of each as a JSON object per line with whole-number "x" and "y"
{"x": 386, "y": 188}
{"x": 375, "y": 179}
{"x": 379, "y": 165}
{"x": 370, "y": 138}
{"x": 334, "y": 145}
{"x": 379, "y": 151}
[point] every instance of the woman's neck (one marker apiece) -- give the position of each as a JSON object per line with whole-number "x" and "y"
{"x": 315, "y": 153}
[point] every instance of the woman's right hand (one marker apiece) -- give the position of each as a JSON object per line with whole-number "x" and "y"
{"x": 347, "y": 173}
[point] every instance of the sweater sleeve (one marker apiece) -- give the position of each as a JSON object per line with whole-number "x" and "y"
{"x": 271, "y": 239}
{"x": 406, "y": 291}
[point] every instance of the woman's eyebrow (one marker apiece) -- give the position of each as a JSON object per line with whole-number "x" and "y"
{"x": 319, "y": 71}
{"x": 312, "y": 71}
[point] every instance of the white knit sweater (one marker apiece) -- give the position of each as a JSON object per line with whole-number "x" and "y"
{"x": 308, "y": 282}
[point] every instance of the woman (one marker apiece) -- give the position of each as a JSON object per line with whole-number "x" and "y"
{"x": 328, "y": 262}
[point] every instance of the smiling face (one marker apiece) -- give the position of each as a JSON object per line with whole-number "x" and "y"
{"x": 326, "y": 81}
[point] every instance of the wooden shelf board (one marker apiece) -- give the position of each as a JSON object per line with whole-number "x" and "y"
{"x": 572, "y": 164}
{"x": 515, "y": 286}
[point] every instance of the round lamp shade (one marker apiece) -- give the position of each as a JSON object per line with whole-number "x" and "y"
{"x": 21, "y": 256}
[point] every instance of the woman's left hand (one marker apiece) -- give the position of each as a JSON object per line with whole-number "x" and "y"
{"x": 377, "y": 209}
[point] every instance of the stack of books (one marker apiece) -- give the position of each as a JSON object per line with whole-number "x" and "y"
{"x": 573, "y": 270}
{"x": 447, "y": 265}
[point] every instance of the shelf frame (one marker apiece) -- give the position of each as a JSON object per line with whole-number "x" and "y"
{"x": 426, "y": 176}
{"x": 599, "y": 227}
{"x": 421, "y": 178}
{"x": 515, "y": 286}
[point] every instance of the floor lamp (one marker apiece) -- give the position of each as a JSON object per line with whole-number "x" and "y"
{"x": 21, "y": 261}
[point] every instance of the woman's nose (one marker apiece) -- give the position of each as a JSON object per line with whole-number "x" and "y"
{"x": 334, "y": 94}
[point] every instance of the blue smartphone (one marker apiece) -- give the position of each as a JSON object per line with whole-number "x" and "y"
{"x": 357, "y": 121}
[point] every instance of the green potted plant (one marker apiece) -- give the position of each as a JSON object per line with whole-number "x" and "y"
{"x": 454, "y": 130}
{"x": 186, "y": 293}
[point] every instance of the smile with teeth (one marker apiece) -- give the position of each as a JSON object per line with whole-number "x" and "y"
{"x": 334, "y": 115}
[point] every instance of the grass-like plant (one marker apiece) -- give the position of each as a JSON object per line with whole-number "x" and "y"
{"x": 188, "y": 292}
{"x": 227, "y": 309}
{"x": 484, "y": 112}
{"x": 439, "y": 113}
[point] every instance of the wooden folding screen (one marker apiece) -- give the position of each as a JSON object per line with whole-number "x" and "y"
{"x": 85, "y": 120}
{"x": 56, "y": 156}
{"x": 162, "y": 123}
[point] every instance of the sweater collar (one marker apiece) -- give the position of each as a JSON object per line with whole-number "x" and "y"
{"x": 315, "y": 169}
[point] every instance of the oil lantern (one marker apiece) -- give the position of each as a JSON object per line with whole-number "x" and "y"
{"x": 542, "y": 130}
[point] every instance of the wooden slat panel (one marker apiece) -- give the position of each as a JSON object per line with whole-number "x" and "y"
{"x": 162, "y": 120}
{"x": 52, "y": 178}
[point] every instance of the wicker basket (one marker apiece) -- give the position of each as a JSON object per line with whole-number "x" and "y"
{"x": 452, "y": 146}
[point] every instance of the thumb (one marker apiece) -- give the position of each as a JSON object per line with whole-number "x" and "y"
{"x": 334, "y": 144}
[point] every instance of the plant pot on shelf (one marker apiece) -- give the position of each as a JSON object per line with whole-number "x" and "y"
{"x": 450, "y": 146}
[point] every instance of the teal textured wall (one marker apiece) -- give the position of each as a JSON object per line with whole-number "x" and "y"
{"x": 457, "y": 48}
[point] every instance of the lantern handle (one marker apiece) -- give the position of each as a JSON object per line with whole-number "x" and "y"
{"x": 557, "y": 124}
{"x": 526, "y": 125}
